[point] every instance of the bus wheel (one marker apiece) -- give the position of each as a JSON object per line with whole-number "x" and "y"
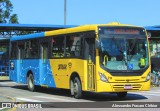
{"x": 76, "y": 89}
{"x": 121, "y": 94}
{"x": 30, "y": 81}
{"x": 71, "y": 87}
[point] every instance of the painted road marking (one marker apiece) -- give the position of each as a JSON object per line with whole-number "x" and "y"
{"x": 28, "y": 100}
{"x": 54, "y": 98}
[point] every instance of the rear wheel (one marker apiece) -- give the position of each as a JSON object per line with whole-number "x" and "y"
{"x": 30, "y": 81}
{"x": 76, "y": 89}
{"x": 121, "y": 94}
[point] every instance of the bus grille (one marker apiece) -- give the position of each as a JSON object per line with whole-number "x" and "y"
{"x": 121, "y": 87}
{"x": 127, "y": 80}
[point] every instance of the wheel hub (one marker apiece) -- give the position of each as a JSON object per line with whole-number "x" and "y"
{"x": 75, "y": 88}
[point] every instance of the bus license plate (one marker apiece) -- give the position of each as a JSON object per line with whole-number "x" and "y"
{"x": 127, "y": 87}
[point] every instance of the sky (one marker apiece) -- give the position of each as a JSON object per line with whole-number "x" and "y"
{"x": 80, "y": 12}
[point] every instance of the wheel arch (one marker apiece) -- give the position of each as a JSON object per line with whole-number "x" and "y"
{"x": 73, "y": 75}
{"x": 28, "y": 73}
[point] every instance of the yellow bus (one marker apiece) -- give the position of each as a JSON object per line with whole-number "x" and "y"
{"x": 111, "y": 58}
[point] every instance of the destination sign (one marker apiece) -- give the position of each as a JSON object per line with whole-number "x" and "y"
{"x": 122, "y": 31}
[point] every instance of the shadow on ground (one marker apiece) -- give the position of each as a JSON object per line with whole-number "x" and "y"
{"x": 87, "y": 95}
{"x": 5, "y": 81}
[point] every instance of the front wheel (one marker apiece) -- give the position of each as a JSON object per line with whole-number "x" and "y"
{"x": 121, "y": 94}
{"x": 76, "y": 88}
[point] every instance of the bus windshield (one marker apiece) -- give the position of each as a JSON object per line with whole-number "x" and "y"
{"x": 126, "y": 49}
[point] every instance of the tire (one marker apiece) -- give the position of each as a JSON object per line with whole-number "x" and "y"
{"x": 71, "y": 87}
{"x": 30, "y": 83}
{"x": 121, "y": 94}
{"x": 76, "y": 88}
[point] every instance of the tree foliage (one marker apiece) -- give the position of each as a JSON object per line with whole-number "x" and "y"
{"x": 6, "y": 15}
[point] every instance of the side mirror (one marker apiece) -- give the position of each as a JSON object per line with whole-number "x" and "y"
{"x": 97, "y": 44}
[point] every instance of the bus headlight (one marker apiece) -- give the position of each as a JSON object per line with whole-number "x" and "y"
{"x": 103, "y": 77}
{"x": 148, "y": 77}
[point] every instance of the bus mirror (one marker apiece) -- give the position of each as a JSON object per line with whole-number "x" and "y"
{"x": 97, "y": 44}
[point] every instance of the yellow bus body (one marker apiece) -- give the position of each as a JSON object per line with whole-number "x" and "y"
{"x": 115, "y": 84}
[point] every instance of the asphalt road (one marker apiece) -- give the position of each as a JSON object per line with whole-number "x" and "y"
{"x": 13, "y": 92}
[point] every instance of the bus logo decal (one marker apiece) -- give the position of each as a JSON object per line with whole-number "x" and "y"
{"x": 62, "y": 66}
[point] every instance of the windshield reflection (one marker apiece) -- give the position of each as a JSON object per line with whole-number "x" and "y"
{"x": 122, "y": 52}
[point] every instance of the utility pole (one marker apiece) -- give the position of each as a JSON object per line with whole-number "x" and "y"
{"x": 65, "y": 9}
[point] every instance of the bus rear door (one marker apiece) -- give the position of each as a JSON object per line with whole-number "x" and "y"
{"x": 43, "y": 63}
{"x": 20, "y": 62}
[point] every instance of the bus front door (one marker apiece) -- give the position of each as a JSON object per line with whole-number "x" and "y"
{"x": 90, "y": 56}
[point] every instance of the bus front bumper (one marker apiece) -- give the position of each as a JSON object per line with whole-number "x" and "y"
{"x": 122, "y": 87}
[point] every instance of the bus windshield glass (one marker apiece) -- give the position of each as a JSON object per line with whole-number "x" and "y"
{"x": 123, "y": 48}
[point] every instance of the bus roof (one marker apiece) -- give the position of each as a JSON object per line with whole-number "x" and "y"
{"x": 84, "y": 28}
{"x": 67, "y": 30}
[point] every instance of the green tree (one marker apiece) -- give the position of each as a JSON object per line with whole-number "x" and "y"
{"x": 6, "y": 15}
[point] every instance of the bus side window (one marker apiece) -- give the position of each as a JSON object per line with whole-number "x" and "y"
{"x": 58, "y": 46}
{"x": 73, "y": 44}
{"x": 26, "y": 49}
{"x": 14, "y": 50}
{"x": 34, "y": 49}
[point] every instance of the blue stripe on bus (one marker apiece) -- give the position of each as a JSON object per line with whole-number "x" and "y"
{"x": 41, "y": 71}
{"x": 30, "y": 36}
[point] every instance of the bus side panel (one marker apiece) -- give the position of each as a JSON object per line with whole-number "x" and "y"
{"x": 30, "y": 65}
{"x": 46, "y": 77}
{"x": 63, "y": 68}
{"x": 42, "y": 72}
